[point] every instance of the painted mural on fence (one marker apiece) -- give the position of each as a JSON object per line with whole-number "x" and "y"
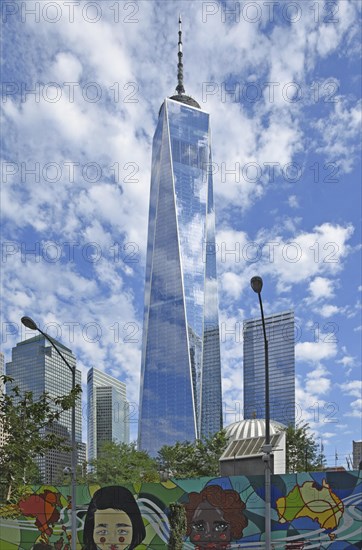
{"x": 309, "y": 510}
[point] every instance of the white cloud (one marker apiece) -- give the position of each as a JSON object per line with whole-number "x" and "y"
{"x": 338, "y": 133}
{"x": 353, "y": 388}
{"x": 327, "y": 310}
{"x": 356, "y": 409}
{"x": 293, "y": 201}
{"x": 318, "y": 378}
{"x": 321, "y": 287}
{"x": 347, "y": 361}
{"x": 66, "y": 68}
{"x": 344, "y": 16}
{"x": 308, "y": 254}
{"x": 314, "y": 352}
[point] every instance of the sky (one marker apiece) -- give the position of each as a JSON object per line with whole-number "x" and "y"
{"x": 83, "y": 82}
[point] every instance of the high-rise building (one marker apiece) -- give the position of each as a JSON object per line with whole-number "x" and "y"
{"x": 108, "y": 411}
{"x": 280, "y": 335}
{"x": 180, "y": 397}
{"x": 357, "y": 454}
{"x": 37, "y": 367}
{"x": 2, "y": 370}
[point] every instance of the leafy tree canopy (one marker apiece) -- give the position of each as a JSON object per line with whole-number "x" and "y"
{"x": 197, "y": 459}
{"x": 303, "y": 453}
{"x": 26, "y": 424}
{"x": 120, "y": 463}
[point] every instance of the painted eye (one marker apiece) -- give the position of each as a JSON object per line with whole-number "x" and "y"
{"x": 102, "y": 532}
{"x": 220, "y": 526}
{"x": 122, "y": 532}
{"x": 198, "y": 526}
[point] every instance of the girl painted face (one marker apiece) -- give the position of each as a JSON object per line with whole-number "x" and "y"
{"x": 112, "y": 529}
{"x": 209, "y": 528}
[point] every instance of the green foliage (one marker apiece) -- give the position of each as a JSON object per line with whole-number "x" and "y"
{"x": 27, "y": 427}
{"x": 193, "y": 459}
{"x": 303, "y": 453}
{"x": 120, "y": 463}
{"x": 178, "y": 524}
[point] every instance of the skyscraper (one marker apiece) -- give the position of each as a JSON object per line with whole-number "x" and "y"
{"x": 36, "y": 367}
{"x": 356, "y": 454}
{"x": 108, "y": 411}
{"x": 280, "y": 335}
{"x": 180, "y": 396}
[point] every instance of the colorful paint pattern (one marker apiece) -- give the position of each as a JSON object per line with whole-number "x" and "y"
{"x": 309, "y": 510}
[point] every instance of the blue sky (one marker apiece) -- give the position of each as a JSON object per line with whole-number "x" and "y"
{"x": 282, "y": 83}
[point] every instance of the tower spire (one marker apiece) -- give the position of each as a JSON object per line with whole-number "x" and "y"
{"x": 180, "y": 95}
{"x": 180, "y": 68}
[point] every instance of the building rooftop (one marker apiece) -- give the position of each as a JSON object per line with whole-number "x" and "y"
{"x": 39, "y": 338}
{"x": 254, "y": 427}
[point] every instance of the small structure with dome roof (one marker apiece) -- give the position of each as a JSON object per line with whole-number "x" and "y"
{"x": 244, "y": 455}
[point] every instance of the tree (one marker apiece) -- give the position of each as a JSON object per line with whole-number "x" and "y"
{"x": 303, "y": 453}
{"x": 120, "y": 463}
{"x": 178, "y": 524}
{"x": 194, "y": 459}
{"x": 26, "y": 425}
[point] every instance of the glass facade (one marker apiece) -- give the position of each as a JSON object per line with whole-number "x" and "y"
{"x": 37, "y": 367}
{"x": 280, "y": 335}
{"x": 108, "y": 411}
{"x": 180, "y": 395}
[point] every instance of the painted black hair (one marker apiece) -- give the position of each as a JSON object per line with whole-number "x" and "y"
{"x": 119, "y": 498}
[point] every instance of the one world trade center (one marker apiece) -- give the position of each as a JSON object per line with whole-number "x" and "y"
{"x": 180, "y": 394}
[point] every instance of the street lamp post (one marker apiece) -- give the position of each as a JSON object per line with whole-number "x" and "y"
{"x": 257, "y": 285}
{"x": 29, "y": 323}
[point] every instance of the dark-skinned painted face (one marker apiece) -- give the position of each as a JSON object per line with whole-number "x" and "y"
{"x": 209, "y": 528}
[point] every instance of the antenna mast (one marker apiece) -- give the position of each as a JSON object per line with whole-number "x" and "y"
{"x": 180, "y": 68}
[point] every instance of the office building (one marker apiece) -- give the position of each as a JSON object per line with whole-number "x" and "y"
{"x": 37, "y": 367}
{"x": 180, "y": 396}
{"x": 108, "y": 411}
{"x": 357, "y": 455}
{"x": 280, "y": 335}
{"x": 2, "y": 370}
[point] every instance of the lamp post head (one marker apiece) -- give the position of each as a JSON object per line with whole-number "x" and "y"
{"x": 256, "y": 284}
{"x": 29, "y": 323}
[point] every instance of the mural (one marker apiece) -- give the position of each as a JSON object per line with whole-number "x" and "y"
{"x": 113, "y": 521}
{"x": 309, "y": 510}
{"x": 214, "y": 517}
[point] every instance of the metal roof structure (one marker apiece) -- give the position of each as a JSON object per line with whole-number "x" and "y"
{"x": 246, "y": 448}
{"x": 255, "y": 427}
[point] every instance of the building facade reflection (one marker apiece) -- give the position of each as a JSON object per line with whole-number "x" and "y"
{"x": 180, "y": 376}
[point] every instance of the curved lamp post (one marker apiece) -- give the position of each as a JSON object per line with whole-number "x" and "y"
{"x": 29, "y": 323}
{"x": 257, "y": 285}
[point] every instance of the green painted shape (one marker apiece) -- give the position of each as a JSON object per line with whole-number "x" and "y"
{"x": 10, "y": 537}
{"x": 293, "y": 504}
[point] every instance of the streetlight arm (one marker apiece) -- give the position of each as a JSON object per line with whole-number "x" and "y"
{"x": 266, "y": 351}
{"x": 57, "y": 349}
{"x": 262, "y": 317}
